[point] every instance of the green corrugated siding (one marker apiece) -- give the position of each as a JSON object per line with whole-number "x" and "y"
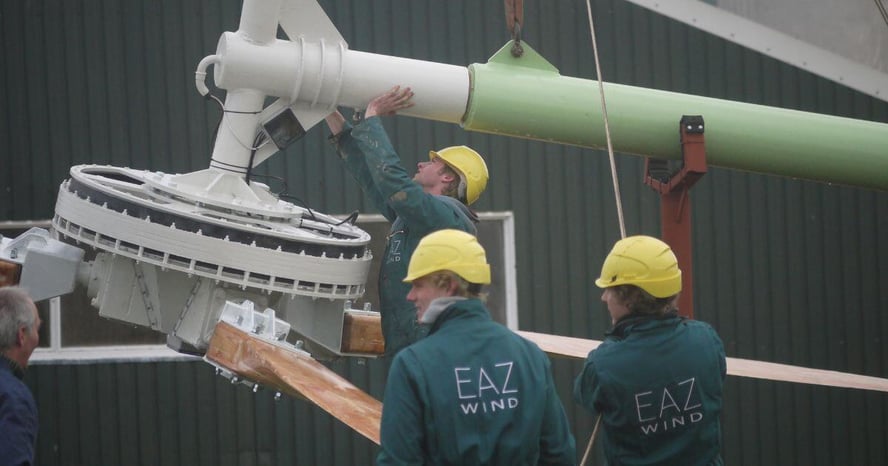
{"x": 787, "y": 271}
{"x": 182, "y": 413}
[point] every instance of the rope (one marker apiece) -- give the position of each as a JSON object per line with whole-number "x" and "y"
{"x": 613, "y": 167}
{"x": 591, "y": 441}
{"x": 610, "y": 147}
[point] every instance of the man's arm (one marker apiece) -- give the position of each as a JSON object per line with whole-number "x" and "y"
{"x": 18, "y": 431}
{"x": 368, "y": 140}
{"x": 394, "y": 183}
{"x": 383, "y": 105}
{"x": 586, "y": 385}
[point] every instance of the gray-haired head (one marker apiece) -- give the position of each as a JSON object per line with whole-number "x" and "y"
{"x": 15, "y": 313}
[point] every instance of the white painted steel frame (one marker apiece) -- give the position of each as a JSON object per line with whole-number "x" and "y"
{"x": 772, "y": 43}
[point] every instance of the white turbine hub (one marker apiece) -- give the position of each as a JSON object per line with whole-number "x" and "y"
{"x": 239, "y": 234}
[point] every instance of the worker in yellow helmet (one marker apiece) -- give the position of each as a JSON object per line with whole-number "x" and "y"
{"x": 473, "y": 391}
{"x": 656, "y": 380}
{"x": 437, "y": 196}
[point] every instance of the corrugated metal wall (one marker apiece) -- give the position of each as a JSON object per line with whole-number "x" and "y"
{"x": 787, "y": 271}
{"x": 181, "y": 413}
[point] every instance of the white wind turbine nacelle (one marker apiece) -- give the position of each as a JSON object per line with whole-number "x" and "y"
{"x": 174, "y": 250}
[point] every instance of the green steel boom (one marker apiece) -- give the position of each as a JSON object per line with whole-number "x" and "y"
{"x": 526, "y": 97}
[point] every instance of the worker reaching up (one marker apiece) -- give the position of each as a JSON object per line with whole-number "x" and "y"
{"x": 473, "y": 391}
{"x": 656, "y": 380}
{"x": 435, "y": 198}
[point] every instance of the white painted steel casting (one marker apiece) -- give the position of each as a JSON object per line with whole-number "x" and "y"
{"x": 83, "y": 217}
{"x": 173, "y": 249}
{"x": 313, "y": 73}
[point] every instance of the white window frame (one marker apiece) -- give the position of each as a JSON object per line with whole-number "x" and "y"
{"x": 509, "y": 262}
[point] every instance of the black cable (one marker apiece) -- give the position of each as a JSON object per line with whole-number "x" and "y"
{"x": 210, "y": 96}
{"x": 256, "y": 141}
{"x": 351, "y": 219}
{"x": 300, "y": 203}
{"x": 273, "y": 177}
{"x": 259, "y": 139}
{"x": 218, "y": 122}
{"x": 224, "y": 110}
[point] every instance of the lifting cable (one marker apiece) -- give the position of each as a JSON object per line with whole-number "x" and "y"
{"x": 514, "y": 10}
{"x": 514, "y": 21}
{"x": 613, "y": 167}
{"x": 610, "y": 146}
{"x": 591, "y": 441}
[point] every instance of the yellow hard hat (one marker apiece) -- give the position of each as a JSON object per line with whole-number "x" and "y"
{"x": 453, "y": 250}
{"x": 470, "y": 166}
{"x": 645, "y": 262}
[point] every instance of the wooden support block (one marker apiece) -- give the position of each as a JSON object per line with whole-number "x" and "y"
{"x": 295, "y": 373}
{"x": 362, "y": 334}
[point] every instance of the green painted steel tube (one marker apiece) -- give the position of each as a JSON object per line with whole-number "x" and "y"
{"x": 526, "y": 97}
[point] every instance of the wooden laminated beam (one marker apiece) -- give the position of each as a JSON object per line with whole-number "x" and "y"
{"x": 298, "y": 374}
{"x": 579, "y": 348}
{"x": 295, "y": 373}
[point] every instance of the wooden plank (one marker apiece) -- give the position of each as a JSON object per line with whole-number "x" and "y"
{"x": 579, "y": 348}
{"x": 362, "y": 333}
{"x": 556, "y": 345}
{"x": 297, "y": 374}
{"x": 805, "y": 375}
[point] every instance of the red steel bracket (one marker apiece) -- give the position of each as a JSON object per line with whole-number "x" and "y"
{"x": 675, "y": 208}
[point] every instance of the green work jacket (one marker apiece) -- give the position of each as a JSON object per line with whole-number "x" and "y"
{"x": 473, "y": 393}
{"x": 657, "y": 384}
{"x": 371, "y": 159}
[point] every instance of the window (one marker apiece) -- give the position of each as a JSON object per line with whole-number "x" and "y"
{"x": 73, "y": 330}
{"x": 495, "y": 232}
